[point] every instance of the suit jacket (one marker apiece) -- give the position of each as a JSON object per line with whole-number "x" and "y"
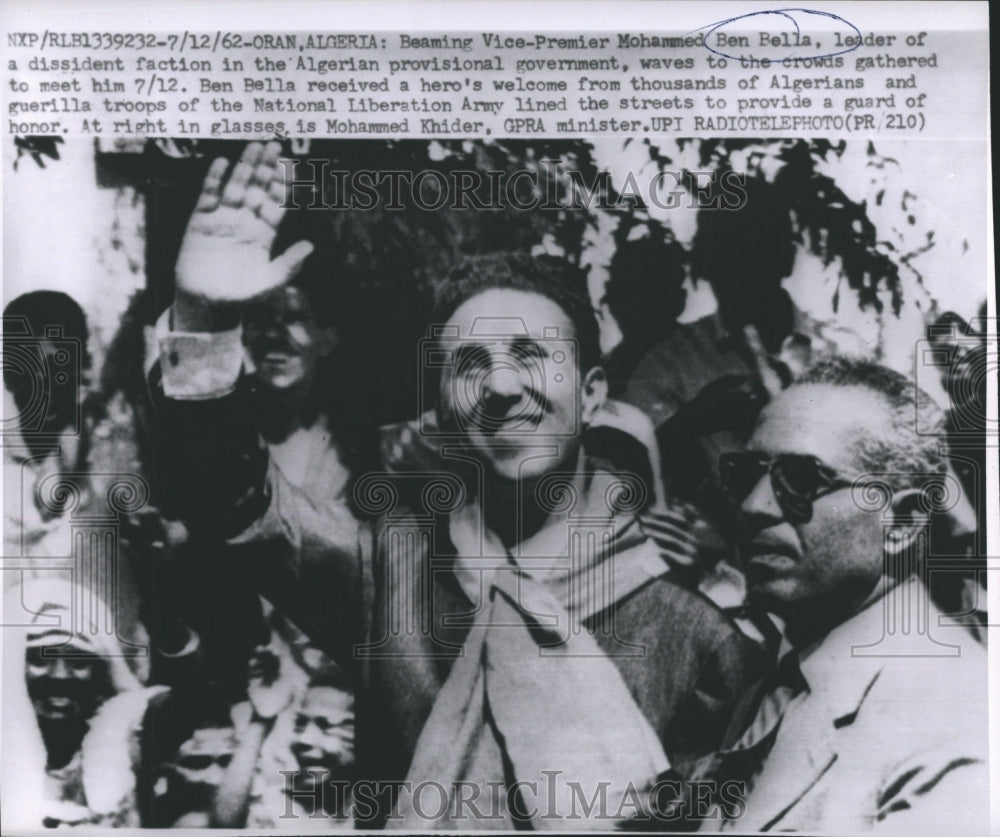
{"x": 891, "y": 735}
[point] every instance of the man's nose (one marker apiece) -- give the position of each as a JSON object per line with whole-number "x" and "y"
{"x": 761, "y": 505}
{"x": 502, "y": 385}
{"x": 308, "y": 739}
{"x": 59, "y": 669}
{"x": 271, "y": 329}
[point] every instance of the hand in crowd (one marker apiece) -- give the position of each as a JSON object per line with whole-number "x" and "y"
{"x": 225, "y": 256}
{"x": 671, "y": 528}
{"x": 269, "y": 689}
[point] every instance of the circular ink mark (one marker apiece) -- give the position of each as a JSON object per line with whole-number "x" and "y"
{"x": 788, "y": 14}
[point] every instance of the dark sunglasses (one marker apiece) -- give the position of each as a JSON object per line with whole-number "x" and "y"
{"x": 797, "y": 480}
{"x": 203, "y": 762}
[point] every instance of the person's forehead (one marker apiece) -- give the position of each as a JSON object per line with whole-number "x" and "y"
{"x": 208, "y": 741}
{"x": 284, "y": 300}
{"x": 55, "y": 645}
{"x": 328, "y": 699}
{"x": 57, "y": 653}
{"x": 822, "y": 420}
{"x": 504, "y": 313}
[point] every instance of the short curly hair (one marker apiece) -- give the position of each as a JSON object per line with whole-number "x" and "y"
{"x": 912, "y": 449}
{"x": 548, "y": 276}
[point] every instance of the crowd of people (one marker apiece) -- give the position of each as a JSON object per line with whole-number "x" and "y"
{"x": 649, "y": 590}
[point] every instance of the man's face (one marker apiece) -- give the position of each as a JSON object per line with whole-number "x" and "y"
{"x": 63, "y": 687}
{"x": 835, "y": 559}
{"x": 284, "y": 339}
{"x": 44, "y": 373}
{"x": 324, "y": 730}
{"x": 963, "y": 373}
{"x": 513, "y": 384}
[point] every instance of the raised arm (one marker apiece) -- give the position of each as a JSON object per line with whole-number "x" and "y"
{"x": 270, "y": 690}
{"x": 214, "y": 464}
{"x": 214, "y": 469}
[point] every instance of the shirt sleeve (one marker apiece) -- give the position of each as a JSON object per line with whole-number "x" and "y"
{"x": 198, "y": 366}
{"x": 214, "y": 473}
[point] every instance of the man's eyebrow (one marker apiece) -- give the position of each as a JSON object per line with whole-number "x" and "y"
{"x": 467, "y": 352}
{"x": 528, "y": 343}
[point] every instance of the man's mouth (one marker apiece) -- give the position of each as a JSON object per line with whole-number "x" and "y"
{"x": 513, "y": 424}
{"x": 57, "y": 704}
{"x": 313, "y": 766}
{"x": 770, "y": 554}
{"x": 521, "y": 421}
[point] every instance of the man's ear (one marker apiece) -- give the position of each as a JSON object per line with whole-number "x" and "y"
{"x": 907, "y": 517}
{"x": 595, "y": 393}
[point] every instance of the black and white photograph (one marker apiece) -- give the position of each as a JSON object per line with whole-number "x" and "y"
{"x": 438, "y": 460}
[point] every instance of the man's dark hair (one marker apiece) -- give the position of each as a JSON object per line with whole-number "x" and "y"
{"x": 331, "y": 676}
{"x": 28, "y": 321}
{"x": 551, "y": 277}
{"x": 644, "y": 289}
{"x": 44, "y": 309}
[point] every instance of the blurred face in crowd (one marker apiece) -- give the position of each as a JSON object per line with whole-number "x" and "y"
{"x": 963, "y": 368}
{"x": 65, "y": 686}
{"x": 323, "y": 739}
{"x": 42, "y": 387}
{"x": 202, "y": 759}
{"x": 285, "y": 341}
{"x": 822, "y": 566}
{"x": 33, "y": 468}
{"x": 61, "y": 383}
{"x": 512, "y": 383}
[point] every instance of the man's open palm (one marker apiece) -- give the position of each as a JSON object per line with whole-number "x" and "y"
{"x": 226, "y": 252}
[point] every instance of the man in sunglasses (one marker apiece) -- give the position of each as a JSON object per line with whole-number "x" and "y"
{"x": 73, "y": 711}
{"x": 876, "y": 717}
{"x": 186, "y": 785}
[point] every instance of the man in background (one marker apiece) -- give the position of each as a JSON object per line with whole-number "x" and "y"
{"x": 73, "y": 709}
{"x": 46, "y": 434}
{"x": 876, "y": 716}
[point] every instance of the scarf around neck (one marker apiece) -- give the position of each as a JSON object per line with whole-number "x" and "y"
{"x": 534, "y": 720}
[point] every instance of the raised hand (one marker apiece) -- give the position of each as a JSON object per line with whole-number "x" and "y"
{"x": 225, "y": 256}
{"x": 269, "y": 688}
